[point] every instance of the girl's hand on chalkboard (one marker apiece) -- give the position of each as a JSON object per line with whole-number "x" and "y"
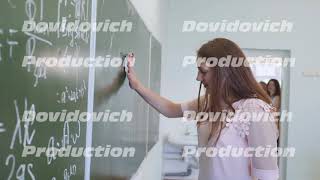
{"x": 134, "y": 82}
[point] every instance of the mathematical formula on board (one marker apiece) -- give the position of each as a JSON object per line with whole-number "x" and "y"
{"x": 20, "y": 131}
{"x": 35, "y": 11}
{"x": 24, "y": 133}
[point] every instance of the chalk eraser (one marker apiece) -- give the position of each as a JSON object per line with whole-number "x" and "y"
{"x": 125, "y": 64}
{"x": 128, "y": 61}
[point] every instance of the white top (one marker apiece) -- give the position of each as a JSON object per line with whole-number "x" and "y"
{"x": 241, "y": 134}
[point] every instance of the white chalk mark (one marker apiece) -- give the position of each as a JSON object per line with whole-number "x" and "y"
{"x": 72, "y": 95}
{"x": 11, "y": 4}
{"x": 101, "y": 8}
{"x": 11, "y": 31}
{"x": 11, "y": 156}
{"x": 0, "y": 52}
{"x": 87, "y": 17}
{"x": 51, "y": 145}
{"x": 66, "y": 134}
{"x": 69, "y": 172}
{"x": 83, "y": 12}
{"x": 77, "y": 9}
{"x": 38, "y": 38}
{"x": 131, "y": 10}
{"x": 27, "y": 137}
{"x": 11, "y": 44}
{"x": 66, "y": 51}
{"x": 40, "y": 72}
{"x": 58, "y": 17}
{"x": 28, "y": 9}
{"x": 77, "y": 135}
{"x": 2, "y": 129}
{"x": 111, "y": 43}
{"x": 17, "y": 128}
{"x": 30, "y": 47}
{"x": 41, "y": 10}
{"x": 1, "y": 32}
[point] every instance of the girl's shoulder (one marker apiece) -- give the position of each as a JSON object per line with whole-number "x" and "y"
{"x": 253, "y": 104}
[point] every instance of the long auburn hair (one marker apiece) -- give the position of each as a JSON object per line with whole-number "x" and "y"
{"x": 237, "y": 82}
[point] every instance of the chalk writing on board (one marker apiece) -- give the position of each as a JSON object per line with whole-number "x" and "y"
{"x": 19, "y": 169}
{"x": 40, "y": 72}
{"x": 30, "y": 47}
{"x": 23, "y": 131}
{"x": 73, "y": 135}
{"x": 70, "y": 136}
{"x": 24, "y": 134}
{"x": 51, "y": 145}
{"x": 38, "y": 38}
{"x": 79, "y": 14}
{"x": 72, "y": 95}
{"x": 14, "y": 128}
{"x": 10, "y": 42}
{"x": 30, "y": 9}
{"x": 69, "y": 172}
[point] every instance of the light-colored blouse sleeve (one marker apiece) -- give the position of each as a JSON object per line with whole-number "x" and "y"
{"x": 262, "y": 133}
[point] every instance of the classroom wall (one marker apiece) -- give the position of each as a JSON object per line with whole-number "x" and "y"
{"x": 153, "y": 12}
{"x": 179, "y": 83}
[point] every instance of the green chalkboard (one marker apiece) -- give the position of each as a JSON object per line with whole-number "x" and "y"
{"x": 41, "y": 89}
{"x": 155, "y": 81}
{"x": 113, "y": 92}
